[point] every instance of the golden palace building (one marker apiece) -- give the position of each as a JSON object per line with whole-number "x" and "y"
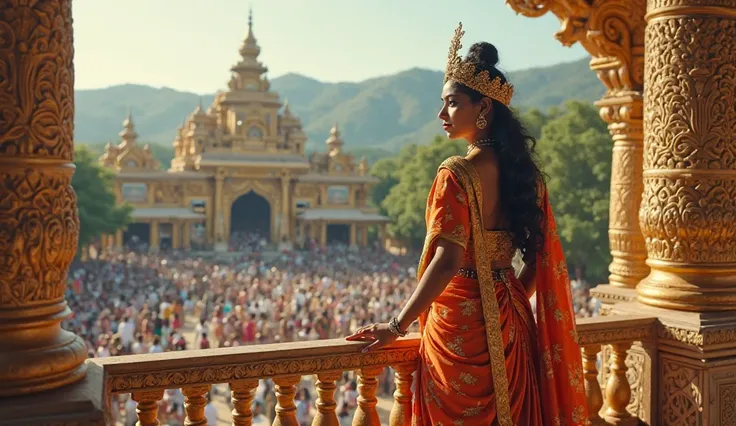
{"x": 240, "y": 167}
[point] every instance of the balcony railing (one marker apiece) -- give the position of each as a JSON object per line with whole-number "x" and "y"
{"x": 146, "y": 377}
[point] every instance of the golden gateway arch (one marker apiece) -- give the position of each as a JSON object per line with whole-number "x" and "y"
{"x": 670, "y": 70}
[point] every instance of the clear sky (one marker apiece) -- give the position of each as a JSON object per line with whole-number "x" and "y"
{"x": 190, "y": 45}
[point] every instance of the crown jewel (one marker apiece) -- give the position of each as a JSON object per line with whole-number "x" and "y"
{"x": 465, "y": 73}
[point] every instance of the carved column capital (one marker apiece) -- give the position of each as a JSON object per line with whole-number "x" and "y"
{"x": 611, "y": 31}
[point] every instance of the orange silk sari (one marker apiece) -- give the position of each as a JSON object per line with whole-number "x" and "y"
{"x": 483, "y": 359}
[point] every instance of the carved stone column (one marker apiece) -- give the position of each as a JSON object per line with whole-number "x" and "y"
{"x": 353, "y": 235}
{"x": 285, "y": 204}
{"x": 688, "y": 212}
{"x": 218, "y": 207}
{"x": 155, "y": 236}
{"x": 623, "y": 113}
{"x": 323, "y": 234}
{"x": 175, "y": 234}
{"x": 39, "y": 226}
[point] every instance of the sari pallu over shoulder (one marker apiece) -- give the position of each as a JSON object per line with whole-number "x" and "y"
{"x": 563, "y": 396}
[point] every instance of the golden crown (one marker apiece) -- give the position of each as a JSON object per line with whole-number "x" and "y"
{"x": 465, "y": 73}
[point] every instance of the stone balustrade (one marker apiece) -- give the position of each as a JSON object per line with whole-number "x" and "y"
{"x": 620, "y": 332}
{"x": 146, "y": 377}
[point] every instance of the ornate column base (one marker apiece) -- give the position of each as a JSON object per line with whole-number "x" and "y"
{"x": 696, "y": 369}
{"x": 78, "y": 404}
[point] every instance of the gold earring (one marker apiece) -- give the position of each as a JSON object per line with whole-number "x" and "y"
{"x": 481, "y": 122}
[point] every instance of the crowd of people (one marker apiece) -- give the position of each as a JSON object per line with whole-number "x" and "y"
{"x": 135, "y": 302}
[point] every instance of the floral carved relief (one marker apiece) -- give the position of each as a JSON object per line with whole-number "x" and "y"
{"x": 39, "y": 225}
{"x": 680, "y": 393}
{"x": 691, "y": 127}
{"x": 175, "y": 378}
{"x": 688, "y": 211}
{"x": 690, "y": 110}
{"x": 38, "y": 236}
{"x": 36, "y": 79}
{"x": 38, "y": 214}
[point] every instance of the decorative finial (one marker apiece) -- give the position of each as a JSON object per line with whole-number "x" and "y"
{"x": 334, "y": 141}
{"x": 250, "y": 17}
{"x": 128, "y": 122}
{"x": 128, "y": 135}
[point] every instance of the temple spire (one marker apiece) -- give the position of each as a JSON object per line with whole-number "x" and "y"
{"x": 250, "y": 46}
{"x": 334, "y": 142}
{"x": 128, "y": 134}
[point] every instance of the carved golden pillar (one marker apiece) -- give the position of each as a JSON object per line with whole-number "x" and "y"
{"x": 688, "y": 212}
{"x": 323, "y": 234}
{"x": 155, "y": 237}
{"x": 219, "y": 216}
{"x": 176, "y": 235}
{"x": 285, "y": 222}
{"x": 353, "y": 235}
{"x": 39, "y": 226}
{"x": 623, "y": 113}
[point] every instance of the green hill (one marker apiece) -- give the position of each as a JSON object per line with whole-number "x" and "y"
{"x": 375, "y": 115}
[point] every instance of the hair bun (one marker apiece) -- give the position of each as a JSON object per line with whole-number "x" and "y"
{"x": 483, "y": 53}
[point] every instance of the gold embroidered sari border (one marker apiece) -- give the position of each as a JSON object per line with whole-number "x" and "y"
{"x": 470, "y": 181}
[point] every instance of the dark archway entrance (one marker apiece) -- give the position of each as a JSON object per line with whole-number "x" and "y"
{"x": 338, "y": 234}
{"x": 250, "y": 215}
{"x": 136, "y": 235}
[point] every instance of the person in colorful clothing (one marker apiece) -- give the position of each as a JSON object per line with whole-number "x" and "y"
{"x": 483, "y": 358}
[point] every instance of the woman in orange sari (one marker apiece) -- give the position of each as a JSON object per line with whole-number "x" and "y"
{"x": 483, "y": 358}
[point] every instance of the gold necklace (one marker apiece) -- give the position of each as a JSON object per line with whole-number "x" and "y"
{"x": 480, "y": 143}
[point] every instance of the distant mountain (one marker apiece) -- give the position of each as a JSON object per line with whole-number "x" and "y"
{"x": 378, "y": 114}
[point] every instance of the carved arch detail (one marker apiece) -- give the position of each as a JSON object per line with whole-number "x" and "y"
{"x": 612, "y": 31}
{"x": 236, "y": 189}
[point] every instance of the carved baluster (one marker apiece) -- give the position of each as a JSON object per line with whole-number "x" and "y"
{"x": 147, "y": 407}
{"x": 618, "y": 390}
{"x": 285, "y": 408}
{"x": 242, "y": 393}
{"x": 401, "y": 411}
{"x": 194, "y": 403}
{"x": 366, "y": 414}
{"x": 326, "y": 405}
{"x": 592, "y": 387}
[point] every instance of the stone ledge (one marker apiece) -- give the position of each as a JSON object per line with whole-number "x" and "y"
{"x": 707, "y": 334}
{"x": 609, "y": 294}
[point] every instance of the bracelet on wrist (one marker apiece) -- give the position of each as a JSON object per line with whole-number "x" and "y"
{"x": 393, "y": 327}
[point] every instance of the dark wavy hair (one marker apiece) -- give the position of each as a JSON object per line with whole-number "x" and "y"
{"x": 519, "y": 172}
